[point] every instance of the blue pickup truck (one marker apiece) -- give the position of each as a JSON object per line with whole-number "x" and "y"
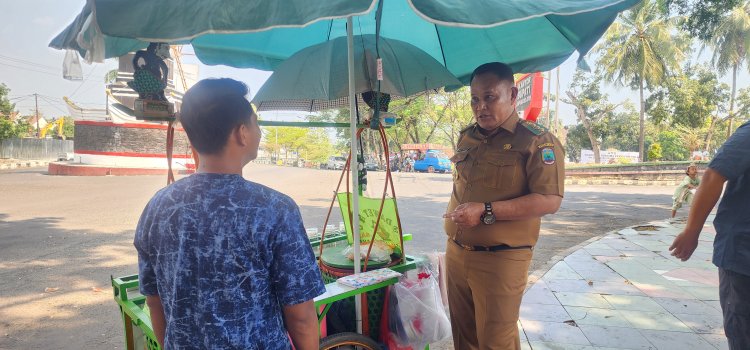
{"x": 433, "y": 162}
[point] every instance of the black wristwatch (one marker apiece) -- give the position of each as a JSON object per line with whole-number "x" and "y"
{"x": 488, "y": 218}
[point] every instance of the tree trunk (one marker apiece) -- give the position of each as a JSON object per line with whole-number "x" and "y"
{"x": 710, "y": 133}
{"x": 590, "y": 133}
{"x": 642, "y": 134}
{"x": 730, "y": 128}
{"x": 586, "y": 125}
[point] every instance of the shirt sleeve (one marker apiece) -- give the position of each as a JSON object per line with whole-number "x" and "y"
{"x": 545, "y": 167}
{"x": 733, "y": 158}
{"x": 146, "y": 275}
{"x": 294, "y": 271}
{"x": 685, "y": 182}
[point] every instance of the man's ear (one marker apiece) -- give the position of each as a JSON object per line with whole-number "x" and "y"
{"x": 240, "y": 134}
{"x": 513, "y": 93}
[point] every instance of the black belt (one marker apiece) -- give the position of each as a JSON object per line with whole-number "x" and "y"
{"x": 492, "y": 248}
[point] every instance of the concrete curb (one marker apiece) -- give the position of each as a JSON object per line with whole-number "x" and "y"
{"x": 620, "y": 182}
{"x": 24, "y": 164}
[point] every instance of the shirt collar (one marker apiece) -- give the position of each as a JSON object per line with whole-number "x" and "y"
{"x": 509, "y": 125}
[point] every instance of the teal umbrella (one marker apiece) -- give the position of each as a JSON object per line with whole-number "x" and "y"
{"x": 530, "y": 35}
{"x": 313, "y": 79}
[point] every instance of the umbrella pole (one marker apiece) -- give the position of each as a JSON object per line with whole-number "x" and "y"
{"x": 355, "y": 172}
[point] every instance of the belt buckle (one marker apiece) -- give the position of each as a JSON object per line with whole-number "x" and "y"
{"x": 463, "y": 246}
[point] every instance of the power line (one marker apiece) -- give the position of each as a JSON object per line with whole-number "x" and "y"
{"x": 31, "y": 63}
{"x": 51, "y": 104}
{"x": 84, "y": 80}
{"x": 29, "y": 69}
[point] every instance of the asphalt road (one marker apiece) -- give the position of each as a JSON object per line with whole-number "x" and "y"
{"x": 73, "y": 233}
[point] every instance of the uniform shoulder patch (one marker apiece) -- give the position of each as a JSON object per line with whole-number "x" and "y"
{"x": 535, "y": 128}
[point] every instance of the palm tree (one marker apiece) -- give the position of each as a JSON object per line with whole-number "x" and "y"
{"x": 731, "y": 44}
{"x": 640, "y": 50}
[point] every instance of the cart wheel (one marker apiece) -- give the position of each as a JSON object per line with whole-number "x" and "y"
{"x": 348, "y": 340}
{"x": 430, "y": 169}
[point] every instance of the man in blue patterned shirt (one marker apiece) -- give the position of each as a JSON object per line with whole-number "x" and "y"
{"x": 225, "y": 263}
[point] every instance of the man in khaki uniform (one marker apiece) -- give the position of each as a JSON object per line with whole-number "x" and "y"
{"x": 509, "y": 173}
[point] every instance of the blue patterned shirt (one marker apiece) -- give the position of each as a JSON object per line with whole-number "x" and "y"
{"x": 732, "y": 223}
{"x": 224, "y": 255}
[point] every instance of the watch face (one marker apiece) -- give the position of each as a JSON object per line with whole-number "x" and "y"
{"x": 488, "y": 219}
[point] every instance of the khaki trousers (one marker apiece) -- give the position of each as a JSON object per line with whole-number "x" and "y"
{"x": 484, "y": 295}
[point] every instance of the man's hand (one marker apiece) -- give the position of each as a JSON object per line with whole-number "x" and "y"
{"x": 466, "y": 215}
{"x": 706, "y": 196}
{"x": 684, "y": 245}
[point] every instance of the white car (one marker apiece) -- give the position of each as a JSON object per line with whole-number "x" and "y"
{"x": 65, "y": 156}
{"x": 336, "y": 163}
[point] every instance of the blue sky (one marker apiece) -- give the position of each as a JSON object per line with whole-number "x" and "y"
{"x": 28, "y": 66}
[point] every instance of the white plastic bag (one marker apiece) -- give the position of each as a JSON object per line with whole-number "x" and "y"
{"x": 417, "y": 316}
{"x": 380, "y": 252}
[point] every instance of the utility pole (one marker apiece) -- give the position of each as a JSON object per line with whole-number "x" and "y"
{"x": 557, "y": 102}
{"x": 549, "y": 87}
{"x": 36, "y": 104}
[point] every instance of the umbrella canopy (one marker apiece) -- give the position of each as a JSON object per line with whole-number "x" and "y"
{"x": 529, "y": 35}
{"x": 316, "y": 78}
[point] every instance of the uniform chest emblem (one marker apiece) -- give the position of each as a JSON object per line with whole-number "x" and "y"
{"x": 507, "y": 146}
{"x": 548, "y": 156}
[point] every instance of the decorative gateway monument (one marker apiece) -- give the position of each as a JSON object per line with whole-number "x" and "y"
{"x": 130, "y": 136}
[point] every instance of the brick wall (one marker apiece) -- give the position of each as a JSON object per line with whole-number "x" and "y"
{"x": 127, "y": 140}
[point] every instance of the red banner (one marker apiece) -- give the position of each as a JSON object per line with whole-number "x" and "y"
{"x": 530, "y": 95}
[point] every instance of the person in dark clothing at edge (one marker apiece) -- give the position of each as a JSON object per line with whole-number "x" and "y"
{"x": 731, "y": 165}
{"x": 225, "y": 263}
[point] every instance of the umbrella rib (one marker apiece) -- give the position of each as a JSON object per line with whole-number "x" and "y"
{"x": 440, "y": 41}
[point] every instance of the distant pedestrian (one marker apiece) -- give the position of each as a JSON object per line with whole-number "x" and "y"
{"x": 731, "y": 165}
{"x": 684, "y": 192}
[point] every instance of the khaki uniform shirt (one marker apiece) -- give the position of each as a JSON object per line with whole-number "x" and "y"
{"x": 519, "y": 158}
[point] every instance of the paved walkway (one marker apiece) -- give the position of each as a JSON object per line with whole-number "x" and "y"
{"x": 625, "y": 291}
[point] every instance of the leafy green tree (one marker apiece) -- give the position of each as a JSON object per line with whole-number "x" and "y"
{"x": 458, "y": 113}
{"x": 693, "y": 99}
{"x": 699, "y": 17}
{"x": 591, "y": 105}
{"x": 619, "y": 129}
{"x": 317, "y": 146}
{"x": 68, "y": 128}
{"x": 654, "y": 152}
{"x": 671, "y": 146}
{"x": 639, "y": 50}
{"x": 692, "y": 138}
{"x": 731, "y": 45}
{"x": 688, "y": 99}
{"x": 577, "y": 139}
{"x": 743, "y": 104}
{"x": 6, "y": 108}
{"x": 7, "y": 128}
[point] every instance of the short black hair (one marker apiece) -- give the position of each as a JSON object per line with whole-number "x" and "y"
{"x": 211, "y": 109}
{"x": 499, "y": 69}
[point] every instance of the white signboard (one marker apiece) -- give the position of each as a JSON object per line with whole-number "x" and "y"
{"x": 608, "y": 157}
